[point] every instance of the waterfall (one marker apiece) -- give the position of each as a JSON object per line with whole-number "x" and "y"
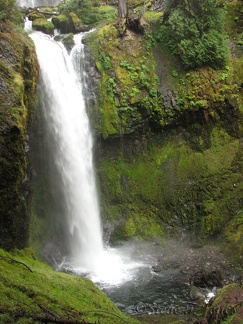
{"x": 27, "y": 24}
{"x": 37, "y": 3}
{"x": 69, "y": 154}
{"x": 70, "y": 137}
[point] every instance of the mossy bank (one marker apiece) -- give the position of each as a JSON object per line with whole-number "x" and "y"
{"x": 32, "y": 292}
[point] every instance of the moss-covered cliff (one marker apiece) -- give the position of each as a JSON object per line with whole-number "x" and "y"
{"x": 18, "y": 75}
{"x": 170, "y": 148}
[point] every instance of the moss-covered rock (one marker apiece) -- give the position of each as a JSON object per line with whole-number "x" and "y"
{"x": 18, "y": 67}
{"x": 43, "y": 25}
{"x": 33, "y": 15}
{"x": 226, "y": 307}
{"x": 190, "y": 179}
{"x": 68, "y": 41}
{"x": 69, "y": 23}
{"x": 60, "y": 22}
{"x": 128, "y": 91}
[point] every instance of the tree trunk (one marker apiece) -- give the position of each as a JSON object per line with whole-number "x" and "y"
{"x": 122, "y": 8}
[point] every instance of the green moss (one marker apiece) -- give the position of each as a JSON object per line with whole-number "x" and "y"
{"x": 75, "y": 19}
{"x": 168, "y": 182}
{"x": 61, "y": 18}
{"x": 33, "y": 15}
{"x": 153, "y": 15}
{"x": 226, "y": 307}
{"x": 141, "y": 224}
{"x": 151, "y": 88}
{"x": 223, "y": 148}
{"x": 234, "y": 237}
{"x": 43, "y": 25}
{"x": 68, "y": 41}
{"x": 43, "y": 293}
{"x": 62, "y": 22}
{"x": 133, "y": 95}
{"x": 234, "y": 19}
{"x": 18, "y": 69}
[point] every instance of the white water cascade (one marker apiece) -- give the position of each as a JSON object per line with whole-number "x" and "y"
{"x": 37, "y": 3}
{"x": 71, "y": 141}
{"x": 27, "y": 24}
{"x": 69, "y": 130}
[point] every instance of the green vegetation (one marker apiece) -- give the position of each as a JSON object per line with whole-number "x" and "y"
{"x": 143, "y": 88}
{"x": 18, "y": 71}
{"x": 90, "y": 12}
{"x": 160, "y": 184}
{"x": 31, "y": 291}
{"x": 194, "y": 31}
{"x": 43, "y": 25}
{"x": 9, "y": 11}
{"x": 226, "y": 307}
{"x": 128, "y": 89}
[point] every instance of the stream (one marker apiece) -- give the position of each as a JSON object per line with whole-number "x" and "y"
{"x": 154, "y": 277}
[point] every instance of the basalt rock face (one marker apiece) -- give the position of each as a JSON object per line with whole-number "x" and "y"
{"x": 18, "y": 75}
{"x": 169, "y": 141}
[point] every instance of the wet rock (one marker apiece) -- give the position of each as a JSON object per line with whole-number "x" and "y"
{"x": 157, "y": 268}
{"x": 206, "y": 279}
{"x": 196, "y": 293}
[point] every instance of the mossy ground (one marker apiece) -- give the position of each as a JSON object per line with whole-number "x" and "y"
{"x": 31, "y": 290}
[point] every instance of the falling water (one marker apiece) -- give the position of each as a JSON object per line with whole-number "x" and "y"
{"x": 27, "y": 24}
{"x": 69, "y": 132}
{"x": 37, "y": 3}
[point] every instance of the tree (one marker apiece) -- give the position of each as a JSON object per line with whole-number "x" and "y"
{"x": 194, "y": 30}
{"x": 122, "y": 9}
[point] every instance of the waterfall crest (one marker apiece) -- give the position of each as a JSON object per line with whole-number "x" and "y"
{"x": 71, "y": 141}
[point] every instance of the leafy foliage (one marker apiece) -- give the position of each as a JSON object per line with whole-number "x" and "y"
{"x": 9, "y": 11}
{"x": 194, "y": 30}
{"x": 89, "y": 11}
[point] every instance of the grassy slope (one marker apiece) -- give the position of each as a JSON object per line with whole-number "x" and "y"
{"x": 44, "y": 294}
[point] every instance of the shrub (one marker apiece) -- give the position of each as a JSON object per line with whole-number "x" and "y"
{"x": 90, "y": 12}
{"x": 10, "y": 11}
{"x": 194, "y": 30}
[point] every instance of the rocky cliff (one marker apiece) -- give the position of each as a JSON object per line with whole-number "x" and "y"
{"x": 18, "y": 75}
{"x": 169, "y": 139}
